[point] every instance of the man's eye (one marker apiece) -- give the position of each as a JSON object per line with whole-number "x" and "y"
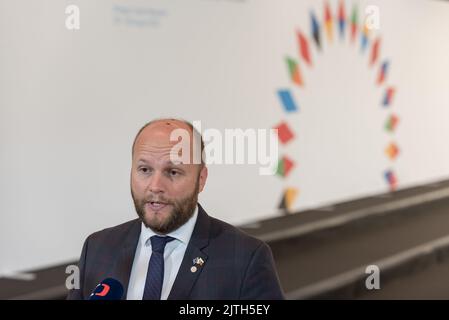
{"x": 174, "y": 172}
{"x": 144, "y": 170}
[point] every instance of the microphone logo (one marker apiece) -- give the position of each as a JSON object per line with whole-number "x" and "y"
{"x": 104, "y": 291}
{"x": 108, "y": 289}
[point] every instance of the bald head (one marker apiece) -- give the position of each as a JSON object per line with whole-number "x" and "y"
{"x": 160, "y": 131}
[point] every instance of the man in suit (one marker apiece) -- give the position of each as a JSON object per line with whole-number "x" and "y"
{"x": 175, "y": 250}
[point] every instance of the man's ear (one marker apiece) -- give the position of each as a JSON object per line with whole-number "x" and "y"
{"x": 202, "y": 178}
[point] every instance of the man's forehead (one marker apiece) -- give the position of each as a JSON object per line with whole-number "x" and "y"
{"x": 161, "y": 131}
{"x": 160, "y": 149}
{"x": 159, "y": 140}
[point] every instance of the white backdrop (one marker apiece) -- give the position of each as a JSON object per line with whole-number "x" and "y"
{"x": 72, "y": 101}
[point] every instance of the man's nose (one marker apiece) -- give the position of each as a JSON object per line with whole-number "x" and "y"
{"x": 156, "y": 184}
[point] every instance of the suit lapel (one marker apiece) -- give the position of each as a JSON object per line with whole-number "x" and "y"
{"x": 123, "y": 265}
{"x": 186, "y": 277}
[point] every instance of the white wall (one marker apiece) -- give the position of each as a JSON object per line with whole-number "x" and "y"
{"x": 71, "y": 103}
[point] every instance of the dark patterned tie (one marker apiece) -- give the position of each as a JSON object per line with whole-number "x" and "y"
{"x": 155, "y": 272}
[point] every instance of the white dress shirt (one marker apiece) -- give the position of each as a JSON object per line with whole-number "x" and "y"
{"x": 173, "y": 255}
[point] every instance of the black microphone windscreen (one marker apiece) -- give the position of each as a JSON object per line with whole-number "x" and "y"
{"x": 108, "y": 289}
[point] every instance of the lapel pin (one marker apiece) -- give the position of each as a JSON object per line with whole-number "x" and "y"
{"x": 199, "y": 261}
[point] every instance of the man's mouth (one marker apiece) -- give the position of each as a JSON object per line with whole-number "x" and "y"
{"x": 156, "y": 205}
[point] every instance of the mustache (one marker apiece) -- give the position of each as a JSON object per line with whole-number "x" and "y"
{"x": 158, "y": 199}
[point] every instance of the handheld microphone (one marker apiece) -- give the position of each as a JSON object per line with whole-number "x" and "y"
{"x": 108, "y": 289}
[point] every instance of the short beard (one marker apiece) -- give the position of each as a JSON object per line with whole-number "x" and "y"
{"x": 182, "y": 211}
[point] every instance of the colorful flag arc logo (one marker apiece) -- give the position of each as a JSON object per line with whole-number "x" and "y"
{"x": 333, "y": 27}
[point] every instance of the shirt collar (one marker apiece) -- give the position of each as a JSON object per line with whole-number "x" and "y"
{"x": 183, "y": 233}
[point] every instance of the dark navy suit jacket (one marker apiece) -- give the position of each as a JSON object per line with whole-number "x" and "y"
{"x": 236, "y": 265}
